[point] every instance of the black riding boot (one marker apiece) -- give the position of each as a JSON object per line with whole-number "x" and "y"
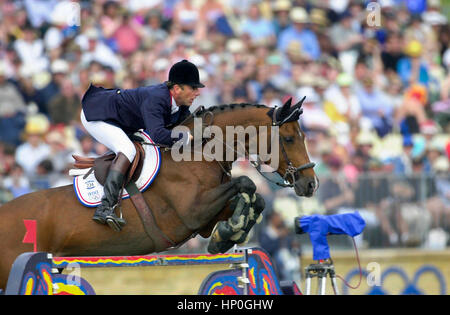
{"x": 105, "y": 212}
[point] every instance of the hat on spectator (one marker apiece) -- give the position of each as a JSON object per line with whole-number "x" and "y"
{"x": 435, "y": 145}
{"x": 56, "y": 137}
{"x": 441, "y": 164}
{"x": 205, "y": 46}
{"x": 274, "y": 59}
{"x": 37, "y": 124}
{"x": 306, "y": 79}
{"x": 92, "y": 33}
{"x": 59, "y": 66}
{"x": 198, "y": 60}
{"x": 429, "y": 127}
{"x": 413, "y": 48}
{"x": 299, "y": 15}
{"x": 161, "y": 64}
{"x": 319, "y": 17}
{"x": 434, "y": 18}
{"x": 295, "y": 51}
{"x": 309, "y": 93}
{"x": 365, "y": 138}
{"x": 40, "y": 79}
{"x": 282, "y": 5}
{"x": 235, "y": 46}
{"x": 344, "y": 79}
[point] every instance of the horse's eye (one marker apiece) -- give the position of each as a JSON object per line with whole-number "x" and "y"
{"x": 289, "y": 139}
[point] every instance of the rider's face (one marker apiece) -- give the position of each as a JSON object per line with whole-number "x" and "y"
{"x": 185, "y": 94}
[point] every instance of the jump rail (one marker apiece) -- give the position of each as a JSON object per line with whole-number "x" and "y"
{"x": 251, "y": 273}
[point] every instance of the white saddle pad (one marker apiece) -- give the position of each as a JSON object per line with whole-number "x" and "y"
{"x": 89, "y": 191}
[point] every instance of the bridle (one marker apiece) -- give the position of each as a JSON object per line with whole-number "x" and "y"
{"x": 291, "y": 170}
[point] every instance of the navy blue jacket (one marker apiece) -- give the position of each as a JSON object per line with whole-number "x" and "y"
{"x": 147, "y": 108}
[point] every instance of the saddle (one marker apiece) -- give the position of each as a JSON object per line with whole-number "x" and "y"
{"x": 100, "y": 166}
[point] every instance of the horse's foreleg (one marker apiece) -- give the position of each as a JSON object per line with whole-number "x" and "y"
{"x": 212, "y": 202}
{"x": 246, "y": 213}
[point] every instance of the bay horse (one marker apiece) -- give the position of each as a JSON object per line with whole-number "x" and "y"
{"x": 188, "y": 197}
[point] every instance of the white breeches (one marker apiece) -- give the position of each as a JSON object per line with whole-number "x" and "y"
{"x": 111, "y": 136}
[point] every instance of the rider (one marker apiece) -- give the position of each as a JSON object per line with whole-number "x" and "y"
{"x": 110, "y": 115}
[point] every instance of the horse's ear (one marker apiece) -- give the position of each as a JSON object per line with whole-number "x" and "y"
{"x": 286, "y": 108}
{"x": 300, "y": 103}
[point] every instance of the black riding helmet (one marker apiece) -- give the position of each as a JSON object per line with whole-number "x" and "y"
{"x": 185, "y": 72}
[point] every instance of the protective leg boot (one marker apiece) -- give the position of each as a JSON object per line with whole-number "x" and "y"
{"x": 105, "y": 212}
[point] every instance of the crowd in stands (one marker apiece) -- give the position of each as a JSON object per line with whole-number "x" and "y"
{"x": 376, "y": 81}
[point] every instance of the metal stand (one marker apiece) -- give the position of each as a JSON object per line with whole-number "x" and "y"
{"x": 321, "y": 270}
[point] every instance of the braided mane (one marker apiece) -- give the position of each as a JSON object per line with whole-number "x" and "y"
{"x": 228, "y": 107}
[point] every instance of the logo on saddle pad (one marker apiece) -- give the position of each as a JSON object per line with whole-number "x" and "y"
{"x": 90, "y": 192}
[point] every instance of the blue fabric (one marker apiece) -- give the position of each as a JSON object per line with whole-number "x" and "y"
{"x": 319, "y": 226}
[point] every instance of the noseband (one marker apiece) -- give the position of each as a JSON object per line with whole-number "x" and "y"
{"x": 291, "y": 170}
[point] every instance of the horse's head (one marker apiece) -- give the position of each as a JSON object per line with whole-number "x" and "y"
{"x": 294, "y": 164}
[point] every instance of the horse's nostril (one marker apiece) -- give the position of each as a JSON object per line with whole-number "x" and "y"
{"x": 311, "y": 186}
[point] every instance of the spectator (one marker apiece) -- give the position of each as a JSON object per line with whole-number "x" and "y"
{"x": 94, "y": 50}
{"x": 372, "y": 195}
{"x": 12, "y": 110}
{"x": 335, "y": 193}
{"x": 59, "y": 69}
{"x": 403, "y": 163}
{"x": 86, "y": 148}
{"x": 60, "y": 152}
{"x": 316, "y": 120}
{"x": 412, "y": 68}
{"x": 64, "y": 108}
{"x": 347, "y": 41}
{"x": 258, "y": 29}
{"x": 343, "y": 104}
{"x": 281, "y": 19}
{"x": 298, "y": 31}
{"x": 30, "y": 153}
{"x": 392, "y": 53}
{"x": 186, "y": 16}
{"x": 39, "y": 12}
{"x": 30, "y": 49}
{"x": 411, "y": 113}
{"x": 152, "y": 30}
{"x": 375, "y": 106}
{"x": 17, "y": 183}
{"x": 282, "y": 247}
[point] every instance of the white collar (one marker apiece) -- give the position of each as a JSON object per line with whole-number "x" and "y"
{"x": 174, "y": 107}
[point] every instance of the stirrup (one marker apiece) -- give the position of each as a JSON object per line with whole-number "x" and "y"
{"x": 114, "y": 222}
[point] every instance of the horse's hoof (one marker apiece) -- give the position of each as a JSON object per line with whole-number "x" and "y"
{"x": 220, "y": 247}
{"x": 247, "y": 185}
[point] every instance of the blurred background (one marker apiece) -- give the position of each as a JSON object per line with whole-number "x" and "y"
{"x": 375, "y": 75}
